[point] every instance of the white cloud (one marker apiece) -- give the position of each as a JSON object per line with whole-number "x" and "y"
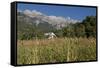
{"x": 58, "y": 19}
{"x": 31, "y": 13}
{"x": 36, "y": 12}
{"x": 27, "y": 12}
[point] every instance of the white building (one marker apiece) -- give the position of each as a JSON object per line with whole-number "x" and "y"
{"x": 50, "y": 35}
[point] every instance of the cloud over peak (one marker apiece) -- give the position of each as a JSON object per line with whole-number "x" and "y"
{"x": 31, "y": 13}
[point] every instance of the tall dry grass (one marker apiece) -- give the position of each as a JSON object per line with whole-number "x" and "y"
{"x": 56, "y": 50}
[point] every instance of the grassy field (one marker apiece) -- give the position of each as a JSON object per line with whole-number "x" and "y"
{"x": 56, "y": 50}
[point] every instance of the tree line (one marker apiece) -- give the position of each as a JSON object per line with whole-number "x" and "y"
{"x": 86, "y": 28}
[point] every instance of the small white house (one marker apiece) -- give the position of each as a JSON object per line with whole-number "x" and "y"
{"x": 50, "y": 35}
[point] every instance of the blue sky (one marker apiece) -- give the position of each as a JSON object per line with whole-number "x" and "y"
{"x": 78, "y": 13}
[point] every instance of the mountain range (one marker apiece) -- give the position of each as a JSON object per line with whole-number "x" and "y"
{"x": 35, "y": 17}
{"x": 29, "y": 21}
